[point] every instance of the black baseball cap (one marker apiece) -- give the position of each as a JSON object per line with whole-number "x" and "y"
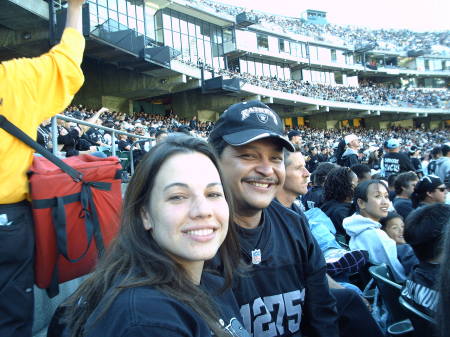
{"x": 293, "y": 133}
{"x": 245, "y": 122}
{"x": 428, "y": 184}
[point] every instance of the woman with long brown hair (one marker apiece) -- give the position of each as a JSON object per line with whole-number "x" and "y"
{"x": 151, "y": 282}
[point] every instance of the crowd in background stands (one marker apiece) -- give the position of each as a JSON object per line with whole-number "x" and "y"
{"x": 373, "y": 94}
{"x": 400, "y": 40}
{"x": 367, "y": 93}
{"x": 319, "y": 144}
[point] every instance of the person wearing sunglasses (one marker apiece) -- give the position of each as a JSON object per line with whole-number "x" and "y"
{"x": 429, "y": 190}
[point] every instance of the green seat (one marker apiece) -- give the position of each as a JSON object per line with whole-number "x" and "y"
{"x": 423, "y": 324}
{"x": 108, "y": 153}
{"x": 124, "y": 157}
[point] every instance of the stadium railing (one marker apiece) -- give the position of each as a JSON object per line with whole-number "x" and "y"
{"x": 113, "y": 132}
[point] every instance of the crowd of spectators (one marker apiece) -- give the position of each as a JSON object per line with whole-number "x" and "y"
{"x": 318, "y": 144}
{"x": 366, "y": 93}
{"x": 319, "y": 147}
{"x": 369, "y": 93}
{"x": 384, "y": 39}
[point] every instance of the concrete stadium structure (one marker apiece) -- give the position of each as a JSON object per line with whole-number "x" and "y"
{"x": 161, "y": 55}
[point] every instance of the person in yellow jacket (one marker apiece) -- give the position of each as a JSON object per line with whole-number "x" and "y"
{"x": 31, "y": 90}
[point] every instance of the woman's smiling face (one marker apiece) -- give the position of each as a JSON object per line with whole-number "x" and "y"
{"x": 188, "y": 214}
{"x": 377, "y": 203}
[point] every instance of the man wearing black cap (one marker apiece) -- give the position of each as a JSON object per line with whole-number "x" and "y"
{"x": 295, "y": 137}
{"x": 286, "y": 290}
{"x": 429, "y": 190}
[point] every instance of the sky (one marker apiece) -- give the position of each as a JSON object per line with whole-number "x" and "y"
{"x": 417, "y": 15}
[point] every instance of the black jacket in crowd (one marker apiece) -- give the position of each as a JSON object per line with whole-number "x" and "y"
{"x": 421, "y": 287}
{"x": 337, "y": 211}
{"x": 313, "y": 198}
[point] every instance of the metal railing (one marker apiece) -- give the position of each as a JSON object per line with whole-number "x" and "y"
{"x": 113, "y": 132}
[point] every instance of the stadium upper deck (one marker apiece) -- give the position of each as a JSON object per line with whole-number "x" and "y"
{"x": 208, "y": 55}
{"x": 434, "y": 43}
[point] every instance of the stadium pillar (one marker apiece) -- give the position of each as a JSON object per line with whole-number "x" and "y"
{"x": 318, "y": 122}
{"x": 332, "y": 124}
{"x": 189, "y": 103}
{"x": 372, "y": 123}
{"x": 117, "y": 103}
{"x": 20, "y": 39}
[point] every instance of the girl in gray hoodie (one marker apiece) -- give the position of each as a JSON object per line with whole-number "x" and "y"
{"x": 372, "y": 202}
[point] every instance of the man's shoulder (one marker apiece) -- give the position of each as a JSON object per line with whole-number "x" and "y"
{"x": 392, "y": 155}
{"x": 277, "y": 209}
{"x": 402, "y": 201}
{"x": 286, "y": 218}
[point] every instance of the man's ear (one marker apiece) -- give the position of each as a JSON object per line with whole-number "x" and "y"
{"x": 146, "y": 220}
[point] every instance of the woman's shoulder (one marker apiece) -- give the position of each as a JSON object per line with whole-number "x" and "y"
{"x": 146, "y": 310}
{"x": 152, "y": 302}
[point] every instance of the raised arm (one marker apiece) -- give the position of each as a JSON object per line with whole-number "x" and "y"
{"x": 74, "y": 15}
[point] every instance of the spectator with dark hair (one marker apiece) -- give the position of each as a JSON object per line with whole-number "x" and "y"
{"x": 414, "y": 155}
{"x": 372, "y": 203}
{"x": 315, "y": 195}
{"x": 424, "y": 231}
{"x": 362, "y": 171}
{"x": 44, "y": 135}
{"x": 394, "y": 227}
{"x": 152, "y": 281}
{"x": 435, "y": 154}
{"x": 193, "y": 123}
{"x": 275, "y": 241}
{"x": 313, "y": 159}
{"x": 374, "y": 160}
{"x": 404, "y": 187}
{"x": 124, "y": 143}
{"x": 93, "y": 135}
{"x": 429, "y": 190}
{"x": 443, "y": 164}
{"x": 338, "y": 195}
{"x": 295, "y": 137}
{"x": 350, "y": 155}
{"x": 69, "y": 136}
{"x": 323, "y": 155}
{"x": 391, "y": 186}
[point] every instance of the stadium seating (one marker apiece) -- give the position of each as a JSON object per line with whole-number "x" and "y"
{"x": 422, "y": 323}
{"x": 390, "y": 292}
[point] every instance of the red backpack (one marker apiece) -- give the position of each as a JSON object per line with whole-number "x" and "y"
{"x": 76, "y": 205}
{"x": 74, "y": 221}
